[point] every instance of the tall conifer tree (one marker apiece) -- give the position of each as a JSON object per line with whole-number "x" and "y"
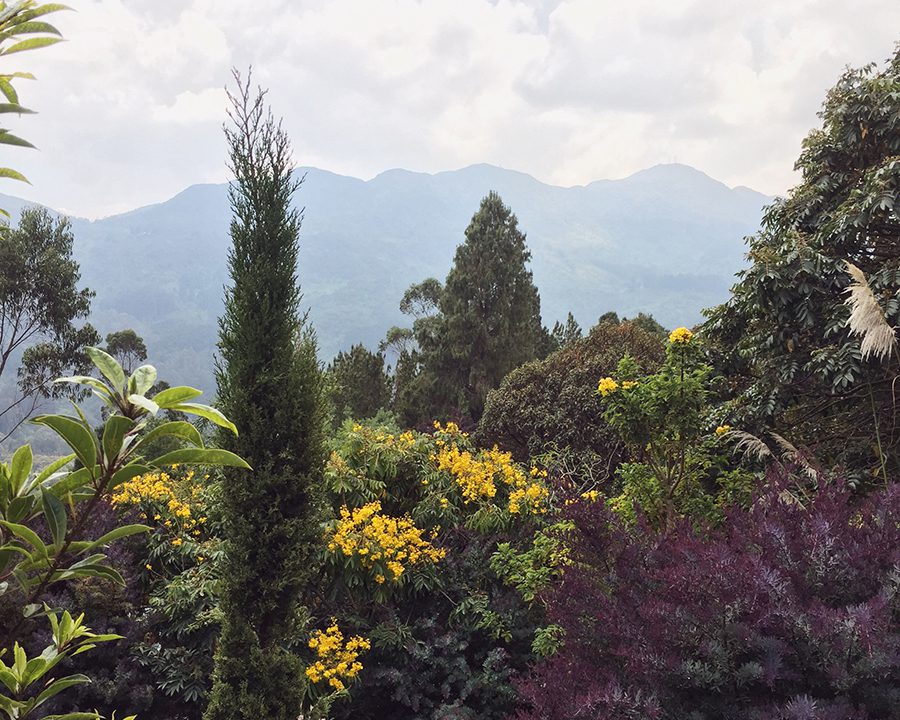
{"x": 271, "y": 386}
{"x": 490, "y": 306}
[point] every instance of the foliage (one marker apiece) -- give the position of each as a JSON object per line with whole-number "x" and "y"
{"x": 43, "y": 517}
{"x": 783, "y": 338}
{"x": 678, "y": 466}
{"x": 360, "y": 384}
{"x": 550, "y": 408}
{"x": 270, "y": 382}
{"x": 18, "y": 19}
{"x": 127, "y": 347}
{"x": 471, "y": 331}
{"x": 447, "y": 635}
{"x": 784, "y": 611}
{"x": 40, "y": 302}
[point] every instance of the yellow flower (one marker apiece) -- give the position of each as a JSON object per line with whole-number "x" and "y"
{"x": 336, "y": 661}
{"x": 606, "y": 386}
{"x": 177, "y": 542}
{"x": 722, "y": 429}
{"x": 148, "y": 566}
{"x": 628, "y": 384}
{"x": 680, "y": 336}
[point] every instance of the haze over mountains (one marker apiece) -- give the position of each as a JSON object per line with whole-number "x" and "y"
{"x": 666, "y": 240}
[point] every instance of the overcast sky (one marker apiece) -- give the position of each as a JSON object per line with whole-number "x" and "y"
{"x": 570, "y": 91}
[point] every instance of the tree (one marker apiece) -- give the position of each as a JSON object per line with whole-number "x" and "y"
{"x": 127, "y": 347}
{"x": 551, "y": 405}
{"x": 17, "y": 19}
{"x": 270, "y": 383}
{"x": 563, "y": 334}
{"x": 39, "y": 304}
{"x": 782, "y": 337}
{"x": 360, "y": 385}
{"x": 490, "y": 310}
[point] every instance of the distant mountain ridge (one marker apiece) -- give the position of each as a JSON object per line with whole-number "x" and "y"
{"x": 666, "y": 240}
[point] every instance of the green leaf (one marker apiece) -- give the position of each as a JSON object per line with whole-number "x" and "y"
{"x": 57, "y": 686}
{"x": 28, "y": 535}
{"x": 7, "y": 138}
{"x": 200, "y": 456}
{"x": 97, "y": 385}
{"x": 15, "y": 108}
{"x": 113, "y": 434}
{"x": 55, "y": 514}
{"x": 11, "y": 174}
{"x": 20, "y": 467}
{"x": 71, "y": 482}
{"x": 172, "y": 396}
{"x": 31, "y": 44}
{"x": 145, "y": 403}
{"x": 142, "y": 379}
{"x": 54, "y": 467}
{"x": 176, "y": 428}
{"x": 107, "y": 365}
{"x": 9, "y": 92}
{"x": 116, "y": 534}
{"x": 205, "y": 411}
{"x": 77, "y": 436}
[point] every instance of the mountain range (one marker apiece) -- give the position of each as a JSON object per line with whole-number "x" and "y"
{"x": 666, "y": 240}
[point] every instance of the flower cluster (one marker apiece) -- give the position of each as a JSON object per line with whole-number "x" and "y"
{"x": 722, "y": 429}
{"x": 337, "y": 661}
{"x": 385, "y": 544}
{"x": 607, "y": 386}
{"x": 403, "y": 441}
{"x": 164, "y": 497}
{"x": 680, "y": 336}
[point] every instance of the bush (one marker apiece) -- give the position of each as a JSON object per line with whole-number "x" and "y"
{"x": 551, "y": 405}
{"x": 784, "y": 612}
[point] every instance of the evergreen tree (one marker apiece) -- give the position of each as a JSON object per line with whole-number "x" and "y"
{"x": 360, "y": 384}
{"x": 490, "y": 308}
{"x": 565, "y": 334}
{"x": 270, "y": 385}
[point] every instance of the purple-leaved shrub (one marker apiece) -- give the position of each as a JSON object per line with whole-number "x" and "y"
{"x": 782, "y": 612}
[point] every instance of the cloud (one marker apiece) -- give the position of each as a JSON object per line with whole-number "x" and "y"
{"x": 568, "y": 90}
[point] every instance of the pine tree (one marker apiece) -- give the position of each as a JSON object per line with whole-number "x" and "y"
{"x": 271, "y": 386}
{"x": 360, "y": 384}
{"x": 491, "y": 311}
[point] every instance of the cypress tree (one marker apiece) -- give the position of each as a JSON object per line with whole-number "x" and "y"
{"x": 270, "y": 385}
{"x": 490, "y": 307}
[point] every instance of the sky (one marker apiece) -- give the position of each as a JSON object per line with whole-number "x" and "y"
{"x": 131, "y": 106}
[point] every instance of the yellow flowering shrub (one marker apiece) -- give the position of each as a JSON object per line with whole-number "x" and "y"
{"x": 384, "y": 545}
{"x": 337, "y": 662}
{"x": 167, "y": 498}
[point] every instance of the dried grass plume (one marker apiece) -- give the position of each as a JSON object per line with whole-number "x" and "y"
{"x": 867, "y": 319}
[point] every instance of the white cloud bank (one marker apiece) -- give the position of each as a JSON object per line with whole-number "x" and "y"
{"x": 569, "y": 91}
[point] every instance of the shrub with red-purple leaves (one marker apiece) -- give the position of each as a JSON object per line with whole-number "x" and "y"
{"x": 783, "y": 612}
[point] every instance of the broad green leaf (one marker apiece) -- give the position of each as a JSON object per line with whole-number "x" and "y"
{"x": 97, "y": 385}
{"x": 200, "y": 456}
{"x": 20, "y": 467}
{"x": 30, "y": 27}
{"x": 117, "y": 534}
{"x": 57, "y": 686}
{"x": 176, "y": 428}
{"x": 76, "y": 435}
{"x": 9, "y": 92}
{"x": 107, "y": 365}
{"x": 72, "y": 482}
{"x": 113, "y": 433}
{"x": 54, "y": 467}
{"x": 55, "y": 514}
{"x": 28, "y": 535}
{"x": 142, "y": 379}
{"x": 145, "y": 403}
{"x": 173, "y": 396}
{"x": 205, "y": 411}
